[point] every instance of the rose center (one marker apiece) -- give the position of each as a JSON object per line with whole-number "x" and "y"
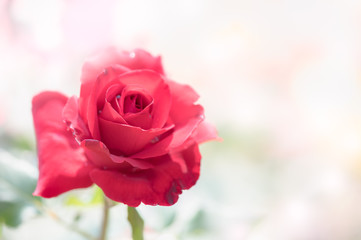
{"x": 134, "y": 103}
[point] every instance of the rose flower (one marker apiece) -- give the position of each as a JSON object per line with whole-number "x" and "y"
{"x": 132, "y": 131}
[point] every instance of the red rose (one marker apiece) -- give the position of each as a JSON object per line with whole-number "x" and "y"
{"x": 133, "y": 132}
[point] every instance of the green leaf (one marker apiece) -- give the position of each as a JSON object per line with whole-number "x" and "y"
{"x": 17, "y": 182}
{"x": 136, "y": 223}
{"x": 10, "y": 213}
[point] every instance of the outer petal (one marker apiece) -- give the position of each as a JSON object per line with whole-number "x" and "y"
{"x": 133, "y": 60}
{"x": 183, "y": 92}
{"x": 205, "y": 132}
{"x": 185, "y": 123}
{"x": 140, "y": 59}
{"x": 62, "y": 163}
{"x": 189, "y": 159}
{"x": 185, "y": 115}
{"x": 158, "y": 186}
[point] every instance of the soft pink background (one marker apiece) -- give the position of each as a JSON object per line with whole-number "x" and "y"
{"x": 280, "y": 79}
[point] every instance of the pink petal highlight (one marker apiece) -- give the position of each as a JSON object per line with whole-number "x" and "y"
{"x": 205, "y": 132}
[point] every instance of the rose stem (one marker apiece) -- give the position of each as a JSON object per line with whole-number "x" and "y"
{"x": 105, "y": 219}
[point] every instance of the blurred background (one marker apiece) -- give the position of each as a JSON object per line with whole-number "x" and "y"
{"x": 280, "y": 79}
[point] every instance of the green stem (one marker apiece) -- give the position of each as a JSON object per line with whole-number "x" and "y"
{"x": 136, "y": 222}
{"x": 107, "y": 205}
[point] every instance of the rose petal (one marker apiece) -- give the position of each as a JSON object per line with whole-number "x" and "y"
{"x": 189, "y": 160}
{"x": 156, "y": 87}
{"x": 184, "y": 114}
{"x": 94, "y": 65}
{"x": 73, "y": 120}
{"x": 147, "y": 79}
{"x": 151, "y": 81}
{"x": 137, "y": 59}
{"x": 127, "y": 139}
{"x": 112, "y": 95}
{"x": 108, "y": 113}
{"x": 62, "y": 163}
{"x": 160, "y": 185}
{"x": 137, "y": 163}
{"x": 99, "y": 154}
{"x": 183, "y": 92}
{"x": 205, "y": 132}
{"x": 142, "y": 118}
{"x": 145, "y": 82}
{"x": 96, "y": 100}
{"x": 157, "y": 148}
{"x": 90, "y": 74}
{"x": 162, "y": 105}
{"x": 133, "y": 60}
{"x": 140, "y": 59}
{"x": 134, "y": 99}
{"x": 186, "y": 122}
{"x": 129, "y": 189}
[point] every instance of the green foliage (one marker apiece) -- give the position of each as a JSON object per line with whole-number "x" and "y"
{"x": 198, "y": 224}
{"x": 75, "y": 200}
{"x": 10, "y": 141}
{"x": 136, "y": 223}
{"x": 169, "y": 220}
{"x": 17, "y": 182}
{"x": 23, "y": 143}
{"x": 10, "y": 213}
